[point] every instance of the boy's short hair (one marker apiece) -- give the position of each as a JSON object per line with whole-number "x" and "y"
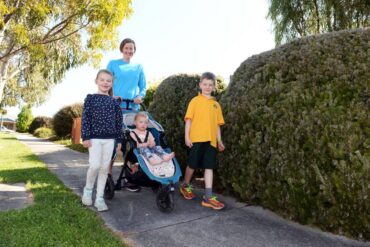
{"x": 141, "y": 114}
{"x": 208, "y": 76}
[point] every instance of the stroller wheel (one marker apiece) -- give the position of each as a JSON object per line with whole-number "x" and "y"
{"x": 109, "y": 188}
{"x": 165, "y": 201}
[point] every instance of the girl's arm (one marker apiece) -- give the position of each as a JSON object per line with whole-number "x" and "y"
{"x": 86, "y": 123}
{"x": 220, "y": 144}
{"x": 187, "y": 133}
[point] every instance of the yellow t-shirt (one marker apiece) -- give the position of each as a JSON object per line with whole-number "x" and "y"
{"x": 206, "y": 115}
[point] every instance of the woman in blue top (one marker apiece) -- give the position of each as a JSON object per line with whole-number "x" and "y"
{"x": 129, "y": 78}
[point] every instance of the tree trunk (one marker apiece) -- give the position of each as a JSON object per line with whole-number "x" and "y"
{"x": 3, "y": 71}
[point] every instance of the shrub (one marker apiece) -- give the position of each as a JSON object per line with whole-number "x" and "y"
{"x": 43, "y": 132}
{"x": 24, "y": 119}
{"x": 63, "y": 119}
{"x": 169, "y": 106}
{"x": 150, "y": 93}
{"x": 38, "y": 122}
{"x": 298, "y": 131}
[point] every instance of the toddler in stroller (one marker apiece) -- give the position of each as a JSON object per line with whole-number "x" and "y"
{"x": 148, "y": 162}
{"x": 145, "y": 141}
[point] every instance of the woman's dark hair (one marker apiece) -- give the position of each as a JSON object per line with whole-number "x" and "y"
{"x": 126, "y": 41}
{"x": 208, "y": 76}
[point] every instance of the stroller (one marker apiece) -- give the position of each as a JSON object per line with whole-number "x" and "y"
{"x": 161, "y": 178}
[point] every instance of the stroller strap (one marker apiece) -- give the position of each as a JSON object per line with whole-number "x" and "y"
{"x": 139, "y": 139}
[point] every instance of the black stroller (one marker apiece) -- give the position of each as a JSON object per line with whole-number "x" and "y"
{"x": 161, "y": 178}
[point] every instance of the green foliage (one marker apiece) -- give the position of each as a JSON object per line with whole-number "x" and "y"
{"x": 299, "y": 18}
{"x": 41, "y": 40}
{"x": 63, "y": 119}
{"x": 150, "y": 93}
{"x": 38, "y": 122}
{"x": 43, "y": 132}
{"x": 24, "y": 119}
{"x": 169, "y": 105}
{"x": 297, "y": 131}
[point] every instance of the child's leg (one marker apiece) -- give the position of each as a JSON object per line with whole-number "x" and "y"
{"x": 107, "y": 150}
{"x": 208, "y": 180}
{"x": 163, "y": 154}
{"x": 94, "y": 164}
{"x": 152, "y": 158}
{"x": 188, "y": 174}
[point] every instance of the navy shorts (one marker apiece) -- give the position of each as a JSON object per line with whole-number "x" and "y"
{"x": 202, "y": 156}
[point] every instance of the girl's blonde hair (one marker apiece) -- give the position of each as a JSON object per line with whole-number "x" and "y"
{"x": 141, "y": 114}
{"x": 105, "y": 71}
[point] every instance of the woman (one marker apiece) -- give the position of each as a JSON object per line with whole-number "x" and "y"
{"x": 129, "y": 78}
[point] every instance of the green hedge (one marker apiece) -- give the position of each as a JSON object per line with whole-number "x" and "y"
{"x": 43, "y": 132}
{"x": 63, "y": 119}
{"x": 297, "y": 131}
{"x": 38, "y": 122}
{"x": 169, "y": 105}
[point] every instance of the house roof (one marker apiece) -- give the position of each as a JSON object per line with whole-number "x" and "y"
{"x": 5, "y": 119}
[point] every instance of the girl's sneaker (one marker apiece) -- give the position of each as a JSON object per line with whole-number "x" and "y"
{"x": 187, "y": 192}
{"x": 100, "y": 204}
{"x": 212, "y": 202}
{"x": 86, "y": 197}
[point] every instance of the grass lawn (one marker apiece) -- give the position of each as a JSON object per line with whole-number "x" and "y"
{"x": 68, "y": 143}
{"x": 57, "y": 217}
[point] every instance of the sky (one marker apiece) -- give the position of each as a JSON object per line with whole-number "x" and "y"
{"x": 176, "y": 36}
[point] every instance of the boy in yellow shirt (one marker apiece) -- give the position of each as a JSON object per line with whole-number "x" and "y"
{"x": 203, "y": 136}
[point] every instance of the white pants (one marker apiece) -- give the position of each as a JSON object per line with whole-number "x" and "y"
{"x": 100, "y": 154}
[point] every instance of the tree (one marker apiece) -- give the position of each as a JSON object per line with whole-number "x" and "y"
{"x": 24, "y": 119}
{"x": 41, "y": 40}
{"x": 299, "y": 18}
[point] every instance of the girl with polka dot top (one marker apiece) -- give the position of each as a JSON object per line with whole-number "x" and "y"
{"x": 101, "y": 127}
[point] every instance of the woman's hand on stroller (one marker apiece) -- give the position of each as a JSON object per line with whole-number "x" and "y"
{"x": 86, "y": 143}
{"x": 138, "y": 100}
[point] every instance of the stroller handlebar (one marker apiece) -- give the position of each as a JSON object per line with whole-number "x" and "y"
{"x": 128, "y": 101}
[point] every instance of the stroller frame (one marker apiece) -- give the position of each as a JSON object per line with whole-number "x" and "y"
{"x": 164, "y": 187}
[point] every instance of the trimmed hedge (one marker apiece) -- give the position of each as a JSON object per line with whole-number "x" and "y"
{"x": 38, "y": 122}
{"x": 297, "y": 131}
{"x": 43, "y": 132}
{"x": 169, "y": 106}
{"x": 63, "y": 119}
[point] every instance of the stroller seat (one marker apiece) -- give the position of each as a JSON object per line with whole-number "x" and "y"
{"x": 163, "y": 170}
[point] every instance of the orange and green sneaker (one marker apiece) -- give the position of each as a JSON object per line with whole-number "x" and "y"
{"x": 212, "y": 202}
{"x": 187, "y": 192}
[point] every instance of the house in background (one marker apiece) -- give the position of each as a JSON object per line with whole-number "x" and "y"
{"x": 7, "y": 123}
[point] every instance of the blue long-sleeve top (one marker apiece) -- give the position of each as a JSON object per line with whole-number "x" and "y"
{"x": 101, "y": 118}
{"x": 129, "y": 79}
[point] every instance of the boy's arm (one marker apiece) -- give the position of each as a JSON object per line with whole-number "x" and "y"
{"x": 220, "y": 144}
{"x": 187, "y": 133}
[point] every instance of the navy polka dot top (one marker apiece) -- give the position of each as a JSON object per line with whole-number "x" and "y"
{"x": 101, "y": 118}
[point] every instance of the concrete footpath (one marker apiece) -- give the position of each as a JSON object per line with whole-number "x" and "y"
{"x": 136, "y": 216}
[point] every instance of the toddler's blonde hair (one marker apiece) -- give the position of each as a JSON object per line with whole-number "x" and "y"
{"x": 141, "y": 114}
